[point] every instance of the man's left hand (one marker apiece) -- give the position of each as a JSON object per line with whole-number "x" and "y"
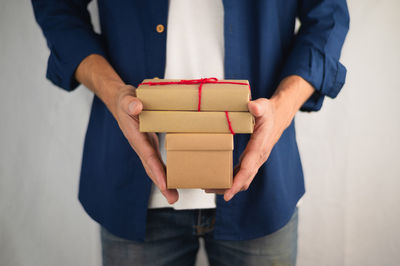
{"x": 272, "y": 117}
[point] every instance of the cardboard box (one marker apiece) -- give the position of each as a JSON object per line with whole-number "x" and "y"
{"x": 183, "y": 97}
{"x": 195, "y": 122}
{"x": 199, "y": 160}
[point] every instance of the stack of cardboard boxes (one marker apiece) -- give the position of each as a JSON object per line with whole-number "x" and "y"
{"x": 200, "y": 118}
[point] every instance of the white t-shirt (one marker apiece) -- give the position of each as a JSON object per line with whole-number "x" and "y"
{"x": 195, "y": 49}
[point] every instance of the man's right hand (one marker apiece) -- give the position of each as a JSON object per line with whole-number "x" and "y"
{"x": 98, "y": 75}
{"x": 145, "y": 145}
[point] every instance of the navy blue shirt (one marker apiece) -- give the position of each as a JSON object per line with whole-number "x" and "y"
{"x": 260, "y": 45}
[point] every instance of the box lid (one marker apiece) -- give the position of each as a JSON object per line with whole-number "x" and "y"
{"x": 198, "y": 141}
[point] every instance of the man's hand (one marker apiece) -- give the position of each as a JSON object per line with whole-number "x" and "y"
{"x": 99, "y": 76}
{"x": 146, "y": 145}
{"x": 272, "y": 117}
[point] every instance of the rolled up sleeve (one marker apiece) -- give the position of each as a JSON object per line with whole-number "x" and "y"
{"x": 316, "y": 49}
{"x": 70, "y": 37}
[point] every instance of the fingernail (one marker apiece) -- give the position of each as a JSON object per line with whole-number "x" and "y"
{"x": 131, "y": 107}
{"x": 170, "y": 201}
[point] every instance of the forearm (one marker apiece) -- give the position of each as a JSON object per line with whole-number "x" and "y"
{"x": 100, "y": 77}
{"x": 290, "y": 95}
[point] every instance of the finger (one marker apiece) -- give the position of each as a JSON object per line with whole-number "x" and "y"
{"x": 240, "y": 179}
{"x": 145, "y": 145}
{"x": 243, "y": 178}
{"x": 258, "y": 143}
{"x": 156, "y": 172}
{"x": 236, "y": 168}
{"x": 149, "y": 155}
{"x": 131, "y": 105}
{"x": 171, "y": 195}
{"x": 257, "y": 107}
{"x": 153, "y": 139}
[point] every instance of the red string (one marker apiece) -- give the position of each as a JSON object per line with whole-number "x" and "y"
{"x": 229, "y": 123}
{"x": 201, "y": 82}
{"x": 199, "y": 101}
{"x": 193, "y": 82}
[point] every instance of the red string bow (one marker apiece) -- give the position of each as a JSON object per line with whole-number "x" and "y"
{"x": 201, "y": 82}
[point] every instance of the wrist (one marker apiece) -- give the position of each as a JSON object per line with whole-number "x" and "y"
{"x": 290, "y": 95}
{"x": 109, "y": 92}
{"x": 283, "y": 109}
{"x": 99, "y": 76}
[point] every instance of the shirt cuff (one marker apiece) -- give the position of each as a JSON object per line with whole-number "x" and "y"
{"x": 325, "y": 73}
{"x": 67, "y": 55}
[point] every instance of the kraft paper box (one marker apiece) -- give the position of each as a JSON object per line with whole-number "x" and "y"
{"x": 199, "y": 160}
{"x": 195, "y": 122}
{"x": 184, "y": 97}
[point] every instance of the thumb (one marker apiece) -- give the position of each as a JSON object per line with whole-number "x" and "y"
{"x": 257, "y": 107}
{"x": 132, "y": 105}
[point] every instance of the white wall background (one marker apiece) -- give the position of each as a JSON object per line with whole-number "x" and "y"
{"x": 350, "y": 151}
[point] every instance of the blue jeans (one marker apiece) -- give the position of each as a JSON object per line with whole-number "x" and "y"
{"x": 172, "y": 238}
